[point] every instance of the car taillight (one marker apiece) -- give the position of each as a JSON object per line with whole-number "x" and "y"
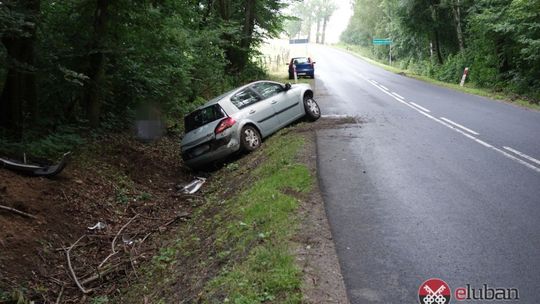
{"x": 224, "y": 125}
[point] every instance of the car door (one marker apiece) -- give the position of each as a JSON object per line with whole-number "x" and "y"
{"x": 286, "y": 103}
{"x": 254, "y": 108}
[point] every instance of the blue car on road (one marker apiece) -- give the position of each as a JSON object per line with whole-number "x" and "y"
{"x": 304, "y": 67}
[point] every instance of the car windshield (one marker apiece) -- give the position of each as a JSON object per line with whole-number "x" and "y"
{"x": 301, "y": 60}
{"x": 203, "y": 116}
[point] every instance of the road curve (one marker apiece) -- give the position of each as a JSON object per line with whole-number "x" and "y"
{"x": 433, "y": 183}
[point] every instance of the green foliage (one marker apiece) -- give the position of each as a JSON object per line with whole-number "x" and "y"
{"x": 165, "y": 257}
{"x": 500, "y": 39}
{"x": 100, "y": 300}
{"x": 49, "y": 146}
{"x": 170, "y": 54}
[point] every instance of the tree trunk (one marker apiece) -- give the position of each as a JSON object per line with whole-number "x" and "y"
{"x": 456, "y": 9}
{"x": 317, "y": 37}
{"x": 249, "y": 27}
{"x": 96, "y": 58}
{"x": 309, "y": 30}
{"x": 224, "y": 9}
{"x": 437, "y": 47}
{"x": 324, "y": 30}
{"x": 19, "y": 94}
{"x": 436, "y": 38}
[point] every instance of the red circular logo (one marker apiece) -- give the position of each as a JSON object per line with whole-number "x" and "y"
{"x": 434, "y": 291}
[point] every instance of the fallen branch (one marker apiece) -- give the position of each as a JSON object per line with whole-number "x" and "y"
{"x": 19, "y": 212}
{"x": 104, "y": 272}
{"x": 74, "y": 276}
{"x": 60, "y": 295}
{"x": 113, "y": 244}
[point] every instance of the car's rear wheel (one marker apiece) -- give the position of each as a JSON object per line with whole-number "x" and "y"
{"x": 313, "y": 112}
{"x": 250, "y": 139}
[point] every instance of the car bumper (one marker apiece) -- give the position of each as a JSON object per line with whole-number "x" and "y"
{"x": 216, "y": 150}
{"x": 304, "y": 72}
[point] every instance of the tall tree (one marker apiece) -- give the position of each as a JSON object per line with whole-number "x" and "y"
{"x": 456, "y": 6}
{"x": 328, "y": 9}
{"x": 97, "y": 59}
{"x": 19, "y": 92}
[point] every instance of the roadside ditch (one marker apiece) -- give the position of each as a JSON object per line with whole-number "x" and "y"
{"x": 255, "y": 232}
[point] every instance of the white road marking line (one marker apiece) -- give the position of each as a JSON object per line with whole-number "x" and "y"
{"x": 397, "y": 95}
{"x": 483, "y": 143}
{"x": 460, "y": 126}
{"x": 420, "y": 107}
{"x": 374, "y": 81}
{"x": 534, "y": 160}
{"x": 384, "y": 87}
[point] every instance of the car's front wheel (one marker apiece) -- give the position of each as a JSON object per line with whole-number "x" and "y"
{"x": 313, "y": 112}
{"x": 250, "y": 139}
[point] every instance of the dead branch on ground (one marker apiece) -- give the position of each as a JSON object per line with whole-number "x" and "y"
{"x": 19, "y": 212}
{"x": 113, "y": 244}
{"x": 74, "y": 276}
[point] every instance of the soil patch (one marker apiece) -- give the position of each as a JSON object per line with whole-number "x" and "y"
{"x": 115, "y": 180}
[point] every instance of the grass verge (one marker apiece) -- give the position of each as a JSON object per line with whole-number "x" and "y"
{"x": 467, "y": 88}
{"x": 238, "y": 247}
{"x": 283, "y": 77}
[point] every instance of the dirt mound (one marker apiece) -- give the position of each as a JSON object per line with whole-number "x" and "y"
{"x": 117, "y": 181}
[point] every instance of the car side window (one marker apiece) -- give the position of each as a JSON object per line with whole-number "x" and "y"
{"x": 267, "y": 89}
{"x": 244, "y": 98}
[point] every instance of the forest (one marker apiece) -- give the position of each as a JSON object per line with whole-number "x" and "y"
{"x": 87, "y": 66}
{"x": 498, "y": 40}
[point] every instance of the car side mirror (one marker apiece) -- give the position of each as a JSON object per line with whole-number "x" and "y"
{"x": 287, "y": 86}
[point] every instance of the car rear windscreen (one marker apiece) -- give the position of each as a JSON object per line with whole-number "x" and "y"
{"x": 301, "y": 60}
{"x": 203, "y": 116}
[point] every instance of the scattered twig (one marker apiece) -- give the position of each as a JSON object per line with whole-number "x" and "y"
{"x": 60, "y": 295}
{"x": 19, "y": 212}
{"x": 103, "y": 273}
{"x": 184, "y": 215}
{"x": 133, "y": 266}
{"x": 65, "y": 196}
{"x": 74, "y": 276}
{"x": 113, "y": 244}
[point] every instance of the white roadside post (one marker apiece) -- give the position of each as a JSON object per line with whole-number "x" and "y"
{"x": 465, "y": 73}
{"x": 295, "y": 75}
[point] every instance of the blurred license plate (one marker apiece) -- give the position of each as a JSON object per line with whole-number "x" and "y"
{"x": 200, "y": 150}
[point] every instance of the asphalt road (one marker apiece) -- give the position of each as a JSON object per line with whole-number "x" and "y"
{"x": 432, "y": 184}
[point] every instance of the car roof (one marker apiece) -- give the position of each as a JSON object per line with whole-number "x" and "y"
{"x": 217, "y": 99}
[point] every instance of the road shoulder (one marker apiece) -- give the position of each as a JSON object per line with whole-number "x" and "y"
{"x": 316, "y": 253}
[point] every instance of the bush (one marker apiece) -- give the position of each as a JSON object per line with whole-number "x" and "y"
{"x": 49, "y": 147}
{"x": 452, "y": 70}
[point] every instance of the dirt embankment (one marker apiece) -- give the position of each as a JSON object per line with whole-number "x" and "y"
{"x": 130, "y": 187}
{"x": 113, "y": 181}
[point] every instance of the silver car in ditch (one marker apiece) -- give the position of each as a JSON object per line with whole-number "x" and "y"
{"x": 239, "y": 119}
